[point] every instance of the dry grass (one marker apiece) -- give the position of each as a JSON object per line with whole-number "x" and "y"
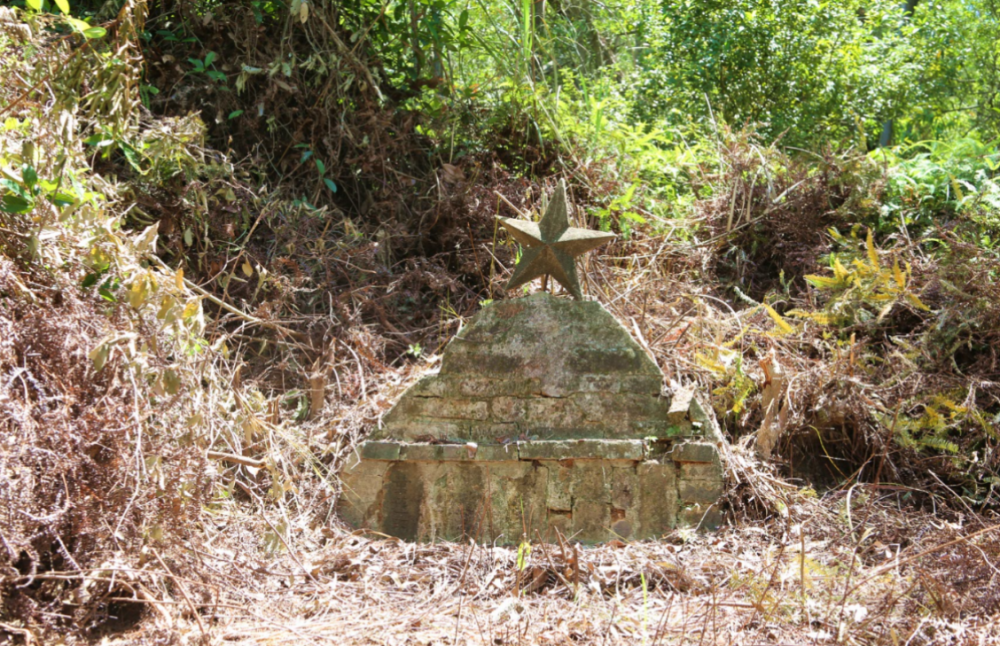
{"x": 243, "y": 547}
{"x": 879, "y": 574}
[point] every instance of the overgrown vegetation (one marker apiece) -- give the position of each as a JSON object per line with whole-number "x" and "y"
{"x": 231, "y": 233}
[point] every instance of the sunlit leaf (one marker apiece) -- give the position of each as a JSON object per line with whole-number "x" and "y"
{"x": 898, "y": 275}
{"x": 872, "y": 253}
{"x": 139, "y": 292}
{"x": 778, "y": 320}
{"x": 917, "y": 303}
{"x": 99, "y": 355}
{"x": 190, "y": 309}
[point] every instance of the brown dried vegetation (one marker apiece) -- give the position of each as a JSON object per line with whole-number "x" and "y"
{"x": 118, "y": 519}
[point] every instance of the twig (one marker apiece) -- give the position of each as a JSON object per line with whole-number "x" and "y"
{"x": 233, "y": 310}
{"x": 236, "y": 459}
{"x": 29, "y": 637}
{"x": 183, "y": 590}
{"x": 885, "y": 568}
{"x": 516, "y": 210}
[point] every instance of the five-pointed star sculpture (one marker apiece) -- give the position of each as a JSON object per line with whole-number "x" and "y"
{"x": 550, "y": 246}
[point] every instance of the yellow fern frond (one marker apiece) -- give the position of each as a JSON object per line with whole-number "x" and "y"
{"x": 917, "y": 303}
{"x": 782, "y": 324}
{"x": 872, "y": 253}
{"x": 898, "y": 275}
{"x": 839, "y": 271}
{"x": 824, "y": 282}
{"x": 955, "y": 186}
{"x": 823, "y": 318}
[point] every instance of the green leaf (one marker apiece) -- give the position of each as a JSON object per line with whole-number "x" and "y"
{"x": 321, "y": 167}
{"x": 63, "y": 5}
{"x": 95, "y": 32}
{"x": 133, "y": 157}
{"x": 16, "y": 204}
{"x": 90, "y": 280}
{"x": 330, "y": 184}
{"x": 235, "y": 113}
{"x": 30, "y": 176}
{"x": 62, "y": 199}
{"x": 34, "y": 4}
{"x": 209, "y": 57}
{"x": 77, "y": 24}
{"x": 15, "y": 200}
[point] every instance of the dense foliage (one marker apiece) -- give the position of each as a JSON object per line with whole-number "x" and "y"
{"x": 238, "y": 227}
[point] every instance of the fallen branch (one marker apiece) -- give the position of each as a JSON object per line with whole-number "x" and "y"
{"x": 236, "y": 459}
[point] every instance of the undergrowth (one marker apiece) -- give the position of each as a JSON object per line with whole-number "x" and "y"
{"x": 230, "y": 237}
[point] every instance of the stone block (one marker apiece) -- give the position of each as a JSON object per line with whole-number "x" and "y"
{"x": 376, "y": 450}
{"x": 591, "y": 482}
{"x": 624, "y": 487}
{"x": 591, "y": 520}
{"x": 492, "y": 433}
{"x": 517, "y": 500}
{"x": 422, "y": 430}
{"x": 442, "y": 408}
{"x": 680, "y": 406}
{"x": 509, "y": 409}
{"x": 496, "y": 452}
{"x": 701, "y": 471}
{"x": 437, "y": 452}
{"x": 584, "y": 449}
{"x": 457, "y": 500}
{"x": 558, "y": 521}
{"x": 552, "y": 412}
{"x": 657, "y": 497}
{"x": 695, "y": 452}
{"x": 703, "y": 492}
{"x": 403, "y": 500}
{"x": 559, "y": 488}
{"x": 608, "y": 359}
{"x": 639, "y": 384}
{"x": 432, "y": 385}
{"x": 581, "y": 432}
{"x": 361, "y": 492}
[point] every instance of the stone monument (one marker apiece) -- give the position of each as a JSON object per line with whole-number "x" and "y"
{"x": 545, "y": 416}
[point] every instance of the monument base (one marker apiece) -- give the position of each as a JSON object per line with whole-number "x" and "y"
{"x": 589, "y": 490}
{"x": 546, "y": 415}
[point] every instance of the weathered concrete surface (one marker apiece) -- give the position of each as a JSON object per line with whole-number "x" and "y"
{"x": 545, "y": 415}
